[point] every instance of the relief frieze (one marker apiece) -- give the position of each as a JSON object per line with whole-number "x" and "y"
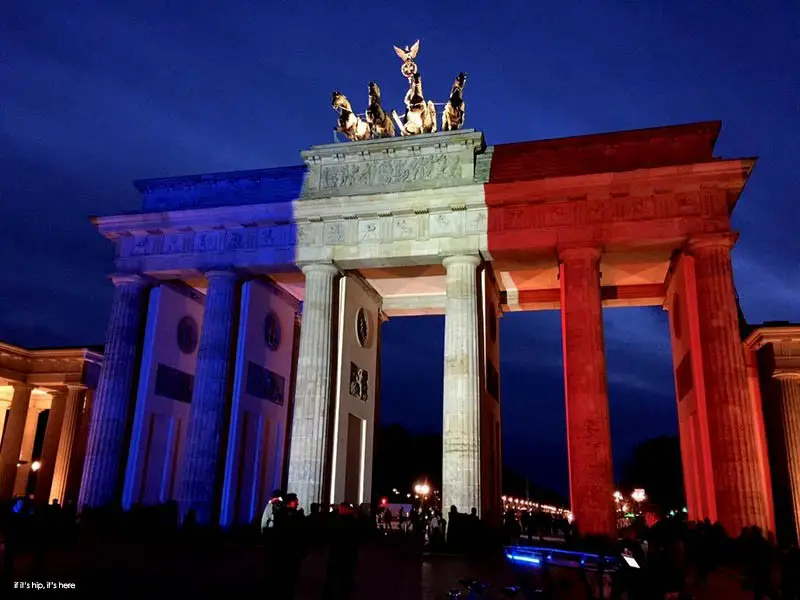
{"x": 386, "y": 172}
{"x": 559, "y": 215}
{"x": 368, "y": 230}
{"x": 207, "y": 241}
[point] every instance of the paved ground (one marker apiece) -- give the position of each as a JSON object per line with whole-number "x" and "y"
{"x": 229, "y": 568}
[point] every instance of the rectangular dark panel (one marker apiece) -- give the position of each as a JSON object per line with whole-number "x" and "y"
{"x": 174, "y": 384}
{"x": 683, "y": 376}
{"x": 492, "y": 380}
{"x": 263, "y": 383}
{"x": 352, "y": 467}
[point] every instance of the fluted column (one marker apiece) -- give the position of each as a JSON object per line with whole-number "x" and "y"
{"x": 308, "y": 460}
{"x": 199, "y": 480}
{"x": 12, "y": 441}
{"x": 5, "y": 406}
{"x": 52, "y": 436}
{"x": 789, "y": 385}
{"x": 26, "y": 450}
{"x": 66, "y": 442}
{"x": 79, "y": 449}
{"x": 104, "y": 451}
{"x": 591, "y": 476}
{"x": 461, "y": 461}
{"x": 738, "y": 483}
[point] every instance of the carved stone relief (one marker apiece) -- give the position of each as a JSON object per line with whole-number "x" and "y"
{"x": 334, "y": 233}
{"x": 359, "y": 382}
{"x": 368, "y": 230}
{"x": 390, "y": 171}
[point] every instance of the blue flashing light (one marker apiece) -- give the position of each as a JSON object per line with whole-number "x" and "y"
{"x": 526, "y": 559}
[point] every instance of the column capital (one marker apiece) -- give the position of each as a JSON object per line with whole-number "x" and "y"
{"x": 221, "y": 273}
{"x": 461, "y": 259}
{"x": 573, "y": 253}
{"x": 785, "y": 375}
{"x": 710, "y": 241}
{"x": 22, "y": 386}
{"x": 328, "y": 268}
{"x": 134, "y": 279}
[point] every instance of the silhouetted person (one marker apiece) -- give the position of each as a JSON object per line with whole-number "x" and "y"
{"x": 12, "y": 525}
{"x": 343, "y": 555}
{"x": 285, "y": 548}
{"x": 270, "y": 511}
{"x": 760, "y": 562}
{"x": 454, "y": 527}
{"x": 790, "y": 574}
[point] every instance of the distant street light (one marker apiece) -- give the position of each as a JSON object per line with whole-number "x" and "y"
{"x": 618, "y": 496}
{"x": 422, "y": 489}
{"x": 638, "y": 495}
{"x": 36, "y": 465}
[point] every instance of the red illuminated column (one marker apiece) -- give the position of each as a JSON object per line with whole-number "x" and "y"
{"x": 738, "y": 480}
{"x": 588, "y": 426}
{"x": 789, "y": 385}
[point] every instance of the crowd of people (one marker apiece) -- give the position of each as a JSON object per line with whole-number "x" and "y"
{"x": 26, "y": 528}
{"x": 673, "y": 554}
{"x": 668, "y": 556}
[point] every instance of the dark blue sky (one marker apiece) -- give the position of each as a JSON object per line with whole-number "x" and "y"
{"x": 97, "y": 94}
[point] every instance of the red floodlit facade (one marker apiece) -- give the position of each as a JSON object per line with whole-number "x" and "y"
{"x": 633, "y": 219}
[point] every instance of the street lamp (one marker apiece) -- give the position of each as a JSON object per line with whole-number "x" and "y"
{"x": 422, "y": 490}
{"x": 36, "y": 465}
{"x": 638, "y": 495}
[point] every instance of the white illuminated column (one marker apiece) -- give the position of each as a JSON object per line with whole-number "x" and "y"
{"x": 461, "y": 482}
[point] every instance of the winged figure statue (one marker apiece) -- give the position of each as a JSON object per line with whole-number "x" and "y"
{"x": 407, "y": 55}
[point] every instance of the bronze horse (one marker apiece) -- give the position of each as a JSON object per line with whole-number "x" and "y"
{"x": 380, "y": 124}
{"x": 350, "y": 124}
{"x": 420, "y": 117}
{"x": 455, "y": 109}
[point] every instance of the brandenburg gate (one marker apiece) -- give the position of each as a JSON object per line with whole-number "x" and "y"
{"x": 243, "y": 349}
{"x": 245, "y": 326}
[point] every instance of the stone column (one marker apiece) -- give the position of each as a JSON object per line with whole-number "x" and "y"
{"x": 12, "y": 442}
{"x": 52, "y": 436}
{"x": 26, "y": 450}
{"x": 104, "y": 451}
{"x": 5, "y": 406}
{"x": 461, "y": 443}
{"x": 199, "y": 480}
{"x": 308, "y": 456}
{"x": 789, "y": 401}
{"x": 740, "y": 496}
{"x": 66, "y": 442}
{"x": 591, "y": 476}
{"x": 79, "y": 449}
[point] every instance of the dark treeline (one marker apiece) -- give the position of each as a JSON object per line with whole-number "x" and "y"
{"x": 403, "y": 458}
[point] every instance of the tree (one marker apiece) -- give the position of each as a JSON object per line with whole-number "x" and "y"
{"x": 655, "y": 465}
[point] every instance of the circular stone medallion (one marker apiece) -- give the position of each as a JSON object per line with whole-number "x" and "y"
{"x": 362, "y": 328}
{"x": 187, "y": 335}
{"x": 272, "y": 330}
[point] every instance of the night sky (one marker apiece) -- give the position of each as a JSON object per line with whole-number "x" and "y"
{"x": 96, "y": 94}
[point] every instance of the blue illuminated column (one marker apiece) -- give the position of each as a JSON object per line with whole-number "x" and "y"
{"x": 104, "y": 448}
{"x": 199, "y": 477}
